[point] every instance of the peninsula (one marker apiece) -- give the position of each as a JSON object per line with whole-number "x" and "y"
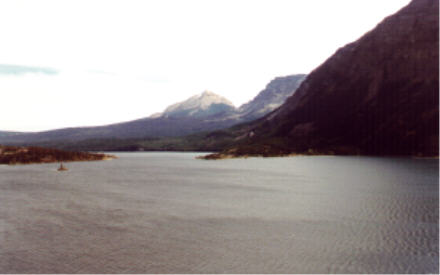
{"x": 28, "y": 155}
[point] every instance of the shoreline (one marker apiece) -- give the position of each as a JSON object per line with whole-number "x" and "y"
{"x": 12, "y": 155}
{"x": 107, "y": 158}
{"x": 221, "y": 156}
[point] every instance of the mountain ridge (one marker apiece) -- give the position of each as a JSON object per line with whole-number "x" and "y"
{"x": 200, "y": 113}
{"x": 375, "y": 96}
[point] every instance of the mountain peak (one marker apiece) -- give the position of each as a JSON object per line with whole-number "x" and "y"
{"x": 208, "y": 93}
{"x": 203, "y": 105}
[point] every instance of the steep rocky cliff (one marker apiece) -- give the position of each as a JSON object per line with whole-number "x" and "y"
{"x": 273, "y": 96}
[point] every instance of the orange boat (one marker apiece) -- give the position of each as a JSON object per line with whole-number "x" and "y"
{"x": 62, "y": 168}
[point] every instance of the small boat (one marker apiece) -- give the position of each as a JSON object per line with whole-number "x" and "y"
{"x": 62, "y": 168}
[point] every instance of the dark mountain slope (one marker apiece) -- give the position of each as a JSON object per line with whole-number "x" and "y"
{"x": 153, "y": 127}
{"x": 376, "y": 96}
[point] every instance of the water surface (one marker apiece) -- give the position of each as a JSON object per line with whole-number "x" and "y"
{"x": 171, "y": 213}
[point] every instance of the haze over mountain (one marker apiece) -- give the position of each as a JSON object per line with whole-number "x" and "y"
{"x": 376, "y": 96}
{"x": 203, "y": 112}
{"x": 8, "y": 133}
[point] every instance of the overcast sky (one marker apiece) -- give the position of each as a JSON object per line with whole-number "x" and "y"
{"x": 80, "y": 63}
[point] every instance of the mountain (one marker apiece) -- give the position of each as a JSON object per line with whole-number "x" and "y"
{"x": 273, "y": 96}
{"x": 146, "y": 127}
{"x": 204, "y": 105}
{"x": 204, "y": 112}
{"x": 376, "y": 96}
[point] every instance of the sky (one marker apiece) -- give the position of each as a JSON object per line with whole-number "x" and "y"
{"x": 84, "y": 63}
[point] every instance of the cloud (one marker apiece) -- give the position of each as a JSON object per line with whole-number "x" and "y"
{"x": 71, "y": 98}
{"x": 7, "y": 69}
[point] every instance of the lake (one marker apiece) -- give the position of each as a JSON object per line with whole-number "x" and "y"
{"x": 171, "y": 213}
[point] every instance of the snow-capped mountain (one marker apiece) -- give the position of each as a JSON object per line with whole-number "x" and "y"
{"x": 205, "y": 104}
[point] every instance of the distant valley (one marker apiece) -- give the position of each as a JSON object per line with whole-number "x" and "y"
{"x": 204, "y": 112}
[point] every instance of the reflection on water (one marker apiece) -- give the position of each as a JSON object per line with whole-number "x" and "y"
{"x": 171, "y": 213}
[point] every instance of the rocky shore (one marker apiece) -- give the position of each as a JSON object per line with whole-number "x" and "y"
{"x": 264, "y": 152}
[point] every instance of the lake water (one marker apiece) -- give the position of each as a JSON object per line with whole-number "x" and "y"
{"x": 171, "y": 213}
